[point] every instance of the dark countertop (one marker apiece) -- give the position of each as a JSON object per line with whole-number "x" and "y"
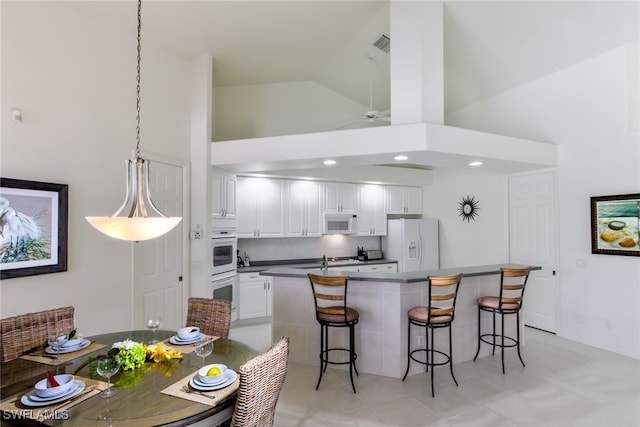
{"x": 307, "y": 264}
{"x": 407, "y": 277}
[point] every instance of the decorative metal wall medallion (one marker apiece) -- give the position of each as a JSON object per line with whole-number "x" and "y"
{"x": 468, "y": 208}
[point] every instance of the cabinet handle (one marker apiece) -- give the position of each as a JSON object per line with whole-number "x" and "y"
{"x": 264, "y": 286}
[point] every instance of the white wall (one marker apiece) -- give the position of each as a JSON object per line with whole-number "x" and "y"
{"x": 280, "y": 109}
{"x": 583, "y": 109}
{"x": 74, "y": 80}
{"x": 481, "y": 241}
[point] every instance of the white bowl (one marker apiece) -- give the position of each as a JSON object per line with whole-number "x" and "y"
{"x": 206, "y": 379}
{"x": 77, "y": 340}
{"x": 188, "y": 332}
{"x": 65, "y": 381}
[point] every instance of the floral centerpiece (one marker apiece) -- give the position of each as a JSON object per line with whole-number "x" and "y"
{"x": 130, "y": 354}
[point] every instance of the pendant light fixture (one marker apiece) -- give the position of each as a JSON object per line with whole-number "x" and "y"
{"x": 144, "y": 220}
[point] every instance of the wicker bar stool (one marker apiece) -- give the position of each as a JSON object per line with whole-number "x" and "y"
{"x": 438, "y": 313}
{"x": 212, "y": 316}
{"x": 512, "y": 284}
{"x": 330, "y": 299}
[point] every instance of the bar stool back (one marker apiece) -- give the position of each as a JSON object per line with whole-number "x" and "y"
{"x": 330, "y": 299}
{"x": 438, "y": 313}
{"x": 512, "y": 284}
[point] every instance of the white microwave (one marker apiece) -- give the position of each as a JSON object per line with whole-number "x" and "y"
{"x": 340, "y": 223}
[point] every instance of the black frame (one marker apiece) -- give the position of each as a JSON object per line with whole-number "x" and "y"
{"x": 601, "y": 224}
{"x": 30, "y": 188}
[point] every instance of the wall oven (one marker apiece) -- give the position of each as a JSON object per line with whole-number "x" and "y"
{"x": 225, "y": 287}
{"x": 224, "y": 253}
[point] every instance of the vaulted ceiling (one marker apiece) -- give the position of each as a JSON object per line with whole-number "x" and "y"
{"x": 490, "y": 46}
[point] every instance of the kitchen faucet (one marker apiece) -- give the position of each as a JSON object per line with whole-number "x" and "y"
{"x": 325, "y": 263}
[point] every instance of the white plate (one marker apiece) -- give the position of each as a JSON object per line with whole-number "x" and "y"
{"x": 199, "y": 382}
{"x": 73, "y": 343}
{"x": 27, "y": 398}
{"x": 231, "y": 377}
{"x": 33, "y": 395}
{"x": 85, "y": 343}
{"x": 178, "y": 341}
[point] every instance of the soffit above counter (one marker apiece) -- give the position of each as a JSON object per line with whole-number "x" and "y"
{"x": 367, "y": 153}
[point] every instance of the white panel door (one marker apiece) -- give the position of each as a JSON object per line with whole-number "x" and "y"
{"x": 532, "y": 241}
{"x": 158, "y": 262}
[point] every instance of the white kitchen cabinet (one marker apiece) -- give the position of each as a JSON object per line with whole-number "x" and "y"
{"x": 340, "y": 197}
{"x": 391, "y": 267}
{"x": 255, "y": 295}
{"x": 260, "y": 207}
{"x": 303, "y": 213}
{"x": 223, "y": 194}
{"x": 372, "y": 216}
{"x": 404, "y": 200}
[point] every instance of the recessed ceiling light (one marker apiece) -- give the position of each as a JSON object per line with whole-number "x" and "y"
{"x": 329, "y": 162}
{"x": 475, "y": 163}
{"x": 400, "y": 158}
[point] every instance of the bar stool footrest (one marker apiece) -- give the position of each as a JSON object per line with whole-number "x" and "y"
{"x": 446, "y": 361}
{"x": 511, "y": 341}
{"x": 324, "y": 356}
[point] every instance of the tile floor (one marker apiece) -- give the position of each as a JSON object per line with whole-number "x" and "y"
{"x": 563, "y": 384}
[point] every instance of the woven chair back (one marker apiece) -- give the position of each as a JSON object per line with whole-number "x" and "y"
{"x": 261, "y": 380}
{"x": 512, "y": 284}
{"x": 212, "y": 316}
{"x": 26, "y": 331}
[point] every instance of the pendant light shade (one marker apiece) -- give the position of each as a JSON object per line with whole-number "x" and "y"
{"x": 143, "y": 220}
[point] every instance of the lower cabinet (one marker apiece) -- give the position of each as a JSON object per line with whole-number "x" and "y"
{"x": 255, "y": 295}
{"x": 390, "y": 267}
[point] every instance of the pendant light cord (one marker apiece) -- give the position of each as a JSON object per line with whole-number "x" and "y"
{"x": 138, "y": 82}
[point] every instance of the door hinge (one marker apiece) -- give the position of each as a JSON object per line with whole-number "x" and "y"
{"x": 179, "y": 278}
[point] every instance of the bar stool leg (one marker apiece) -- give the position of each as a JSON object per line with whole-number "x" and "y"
{"x": 502, "y": 333}
{"x": 430, "y": 361}
{"x": 322, "y": 355}
{"x": 479, "y": 335}
{"x": 493, "y": 352}
{"x": 408, "y": 349}
{"x": 518, "y": 336}
{"x": 352, "y": 358}
{"x": 451, "y": 357}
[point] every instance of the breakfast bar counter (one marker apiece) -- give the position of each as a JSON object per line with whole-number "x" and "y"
{"x": 383, "y": 300}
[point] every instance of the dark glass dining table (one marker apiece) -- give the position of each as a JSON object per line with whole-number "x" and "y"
{"x": 138, "y": 401}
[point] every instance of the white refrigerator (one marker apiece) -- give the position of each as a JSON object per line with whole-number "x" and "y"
{"x": 413, "y": 243}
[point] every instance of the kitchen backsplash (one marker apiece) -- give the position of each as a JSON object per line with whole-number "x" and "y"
{"x": 304, "y": 248}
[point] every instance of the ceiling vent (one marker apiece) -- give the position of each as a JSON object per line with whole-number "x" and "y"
{"x": 383, "y": 43}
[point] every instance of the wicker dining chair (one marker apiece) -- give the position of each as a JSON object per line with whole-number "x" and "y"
{"x": 261, "y": 380}
{"x": 21, "y": 333}
{"x": 212, "y": 316}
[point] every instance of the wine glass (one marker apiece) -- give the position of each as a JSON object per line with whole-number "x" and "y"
{"x": 153, "y": 323}
{"x": 107, "y": 367}
{"x": 56, "y": 342}
{"x": 205, "y": 349}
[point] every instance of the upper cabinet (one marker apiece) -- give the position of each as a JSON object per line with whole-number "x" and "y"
{"x": 372, "y": 217}
{"x": 223, "y": 194}
{"x": 260, "y": 207}
{"x": 303, "y": 214}
{"x": 340, "y": 197}
{"x": 404, "y": 200}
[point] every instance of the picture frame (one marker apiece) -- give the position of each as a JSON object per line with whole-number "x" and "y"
{"x": 615, "y": 221}
{"x": 33, "y": 228}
